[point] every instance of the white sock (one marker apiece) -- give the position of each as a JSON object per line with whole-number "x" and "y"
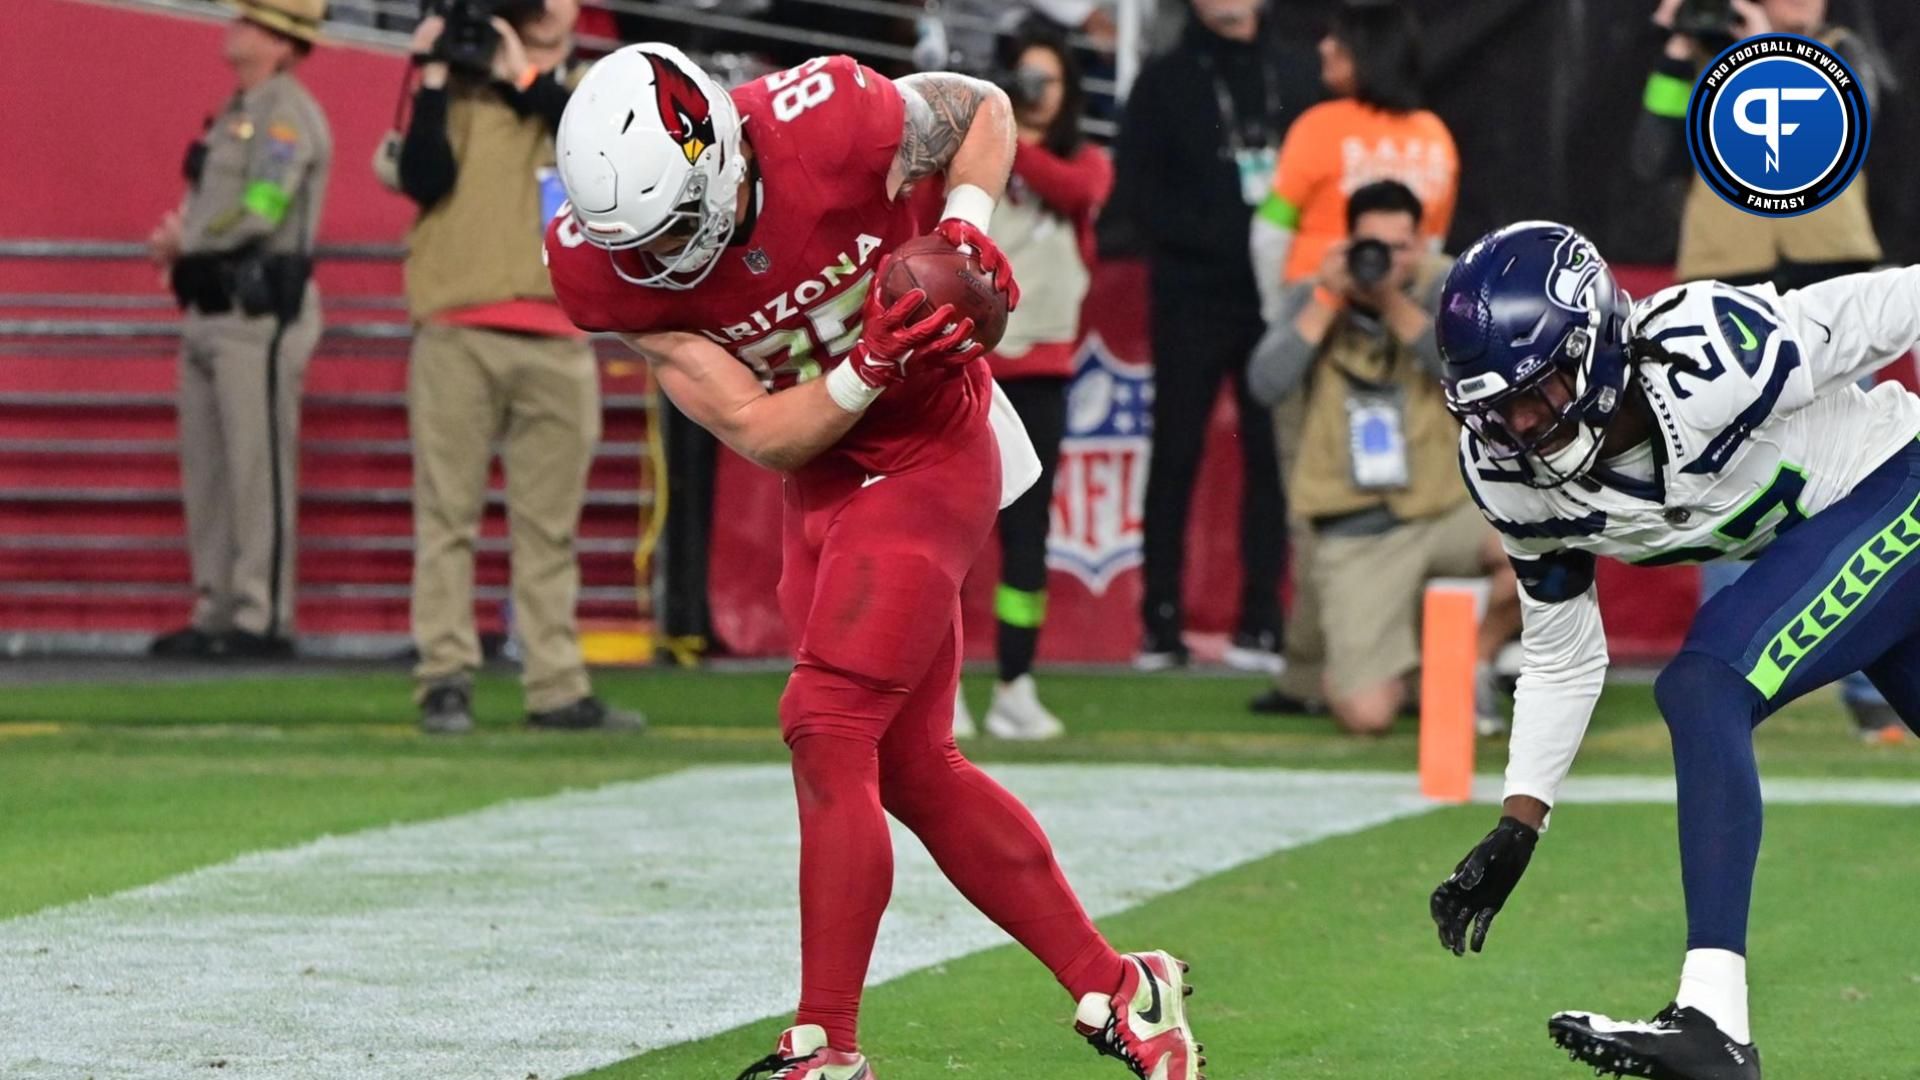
{"x": 1715, "y": 982}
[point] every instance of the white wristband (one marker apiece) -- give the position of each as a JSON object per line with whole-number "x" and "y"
{"x": 848, "y": 390}
{"x": 971, "y": 204}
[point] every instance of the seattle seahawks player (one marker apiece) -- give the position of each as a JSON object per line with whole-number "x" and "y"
{"x": 1706, "y": 422}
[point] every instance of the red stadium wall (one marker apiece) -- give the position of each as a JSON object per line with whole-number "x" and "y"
{"x": 97, "y": 124}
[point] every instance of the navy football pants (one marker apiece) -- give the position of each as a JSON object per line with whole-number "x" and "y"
{"x": 1837, "y": 593}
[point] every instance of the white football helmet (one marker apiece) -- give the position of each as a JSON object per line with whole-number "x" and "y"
{"x": 649, "y": 152}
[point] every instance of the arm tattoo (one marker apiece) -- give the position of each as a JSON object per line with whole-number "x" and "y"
{"x": 940, "y": 108}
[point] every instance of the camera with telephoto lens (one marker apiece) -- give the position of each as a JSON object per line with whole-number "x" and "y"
{"x": 468, "y": 42}
{"x": 1711, "y": 21}
{"x": 1024, "y": 86}
{"x": 1368, "y": 262}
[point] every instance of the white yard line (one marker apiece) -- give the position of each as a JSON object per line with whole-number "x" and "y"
{"x": 549, "y": 936}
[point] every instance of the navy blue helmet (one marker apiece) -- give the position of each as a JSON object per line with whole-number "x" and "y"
{"x": 1525, "y": 302}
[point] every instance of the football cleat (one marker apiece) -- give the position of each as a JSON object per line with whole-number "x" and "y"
{"x": 802, "y": 1054}
{"x": 1678, "y": 1044}
{"x": 1017, "y": 713}
{"x": 1144, "y": 1022}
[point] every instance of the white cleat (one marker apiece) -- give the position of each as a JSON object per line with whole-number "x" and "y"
{"x": 963, "y": 726}
{"x": 1017, "y": 713}
{"x": 1144, "y": 1022}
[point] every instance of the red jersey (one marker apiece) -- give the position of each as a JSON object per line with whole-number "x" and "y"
{"x": 787, "y": 295}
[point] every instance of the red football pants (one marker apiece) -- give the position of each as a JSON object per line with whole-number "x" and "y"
{"x": 871, "y": 586}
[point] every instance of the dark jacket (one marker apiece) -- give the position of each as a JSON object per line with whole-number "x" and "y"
{"x": 1177, "y": 187}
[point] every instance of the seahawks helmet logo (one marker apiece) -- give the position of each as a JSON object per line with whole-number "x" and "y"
{"x": 1575, "y": 266}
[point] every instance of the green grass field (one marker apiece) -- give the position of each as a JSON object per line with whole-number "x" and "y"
{"x": 1312, "y": 962}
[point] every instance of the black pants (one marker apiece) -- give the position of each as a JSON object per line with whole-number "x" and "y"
{"x": 682, "y": 606}
{"x": 1021, "y": 601}
{"x": 1197, "y": 342}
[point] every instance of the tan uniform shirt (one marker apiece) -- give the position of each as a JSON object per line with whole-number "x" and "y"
{"x": 482, "y": 243}
{"x": 265, "y": 176}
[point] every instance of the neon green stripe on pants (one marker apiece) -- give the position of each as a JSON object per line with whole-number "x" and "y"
{"x": 1865, "y": 570}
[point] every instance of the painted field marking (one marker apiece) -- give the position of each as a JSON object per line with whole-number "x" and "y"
{"x": 550, "y": 936}
{"x": 554, "y": 935}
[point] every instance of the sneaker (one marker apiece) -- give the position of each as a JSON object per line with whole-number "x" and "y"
{"x": 1162, "y": 651}
{"x": 802, "y": 1054}
{"x": 963, "y": 726}
{"x": 186, "y": 643}
{"x": 1018, "y": 714}
{"x": 246, "y": 645}
{"x": 587, "y": 714}
{"x": 1489, "y": 715}
{"x": 1144, "y": 1023}
{"x": 1678, "y": 1044}
{"x": 447, "y": 710}
{"x": 1256, "y": 652}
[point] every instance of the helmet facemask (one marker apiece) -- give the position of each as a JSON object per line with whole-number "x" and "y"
{"x": 1593, "y": 358}
{"x": 703, "y": 231}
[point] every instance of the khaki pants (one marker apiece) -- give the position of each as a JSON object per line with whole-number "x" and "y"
{"x": 1373, "y": 635}
{"x": 539, "y": 399}
{"x": 239, "y": 464}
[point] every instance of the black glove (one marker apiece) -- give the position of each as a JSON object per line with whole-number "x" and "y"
{"x": 1481, "y": 884}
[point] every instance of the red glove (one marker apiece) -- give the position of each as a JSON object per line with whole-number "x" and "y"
{"x": 888, "y": 342}
{"x": 965, "y": 235}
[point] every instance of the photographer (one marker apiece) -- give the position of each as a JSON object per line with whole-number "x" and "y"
{"x": 1720, "y": 241}
{"x": 494, "y": 357}
{"x": 237, "y": 254}
{"x": 1044, "y": 224}
{"x": 1376, "y": 478}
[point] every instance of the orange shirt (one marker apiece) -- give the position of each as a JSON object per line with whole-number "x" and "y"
{"x": 1339, "y": 146}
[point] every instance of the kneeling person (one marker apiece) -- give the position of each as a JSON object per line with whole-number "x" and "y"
{"x": 1375, "y": 476}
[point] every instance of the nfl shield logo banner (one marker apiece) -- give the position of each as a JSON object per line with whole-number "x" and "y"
{"x": 1101, "y": 486}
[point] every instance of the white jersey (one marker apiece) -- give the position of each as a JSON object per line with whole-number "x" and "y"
{"x": 1761, "y": 424}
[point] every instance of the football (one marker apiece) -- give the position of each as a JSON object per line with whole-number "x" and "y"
{"x": 948, "y": 276}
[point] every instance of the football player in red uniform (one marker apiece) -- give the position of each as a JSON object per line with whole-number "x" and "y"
{"x": 735, "y": 242}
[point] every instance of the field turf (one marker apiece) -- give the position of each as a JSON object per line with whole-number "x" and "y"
{"x": 1312, "y": 962}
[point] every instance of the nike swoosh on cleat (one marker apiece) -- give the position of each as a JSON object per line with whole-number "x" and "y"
{"x": 1152, "y": 1014}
